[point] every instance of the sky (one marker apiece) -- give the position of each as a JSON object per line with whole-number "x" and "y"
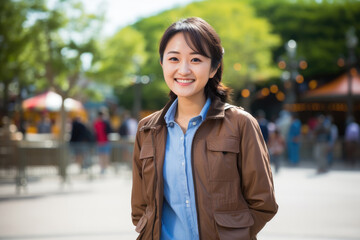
{"x": 120, "y": 13}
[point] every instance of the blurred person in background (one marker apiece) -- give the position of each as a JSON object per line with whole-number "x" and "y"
{"x": 263, "y": 123}
{"x": 128, "y": 127}
{"x": 101, "y": 129}
{"x": 80, "y": 141}
{"x": 127, "y": 131}
{"x": 334, "y": 133}
{"x": 201, "y": 167}
{"x": 45, "y": 124}
{"x": 283, "y": 122}
{"x": 293, "y": 140}
{"x": 321, "y": 137}
{"x": 276, "y": 146}
{"x": 352, "y": 141}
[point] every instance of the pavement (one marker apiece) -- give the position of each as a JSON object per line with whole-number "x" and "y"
{"x": 311, "y": 206}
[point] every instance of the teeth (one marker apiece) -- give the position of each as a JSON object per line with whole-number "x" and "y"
{"x": 184, "y": 81}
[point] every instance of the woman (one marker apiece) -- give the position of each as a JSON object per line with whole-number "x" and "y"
{"x": 200, "y": 168}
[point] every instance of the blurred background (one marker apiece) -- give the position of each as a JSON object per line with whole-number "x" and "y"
{"x": 77, "y": 76}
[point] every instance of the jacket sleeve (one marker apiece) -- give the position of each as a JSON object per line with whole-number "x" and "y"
{"x": 257, "y": 182}
{"x": 138, "y": 204}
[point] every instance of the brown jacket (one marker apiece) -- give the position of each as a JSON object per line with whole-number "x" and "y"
{"x": 233, "y": 181}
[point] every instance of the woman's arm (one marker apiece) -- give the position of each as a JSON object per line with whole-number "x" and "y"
{"x": 138, "y": 204}
{"x": 257, "y": 182}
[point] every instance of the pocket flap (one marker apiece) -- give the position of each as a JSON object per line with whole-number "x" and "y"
{"x": 141, "y": 224}
{"x": 146, "y": 151}
{"x": 240, "y": 219}
{"x": 224, "y": 145}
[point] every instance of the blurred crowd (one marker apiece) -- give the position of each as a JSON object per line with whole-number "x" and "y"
{"x": 100, "y": 134}
{"x": 86, "y": 137}
{"x": 288, "y": 138}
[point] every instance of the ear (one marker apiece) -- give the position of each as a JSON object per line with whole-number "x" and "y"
{"x": 160, "y": 63}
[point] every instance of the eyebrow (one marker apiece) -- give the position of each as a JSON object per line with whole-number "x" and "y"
{"x": 176, "y": 52}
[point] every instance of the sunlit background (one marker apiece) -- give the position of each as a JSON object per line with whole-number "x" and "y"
{"x": 63, "y": 61}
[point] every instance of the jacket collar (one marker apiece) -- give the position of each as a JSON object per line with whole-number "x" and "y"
{"x": 216, "y": 110}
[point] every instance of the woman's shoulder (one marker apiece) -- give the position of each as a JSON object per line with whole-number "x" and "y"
{"x": 150, "y": 118}
{"x": 238, "y": 116}
{"x": 237, "y": 112}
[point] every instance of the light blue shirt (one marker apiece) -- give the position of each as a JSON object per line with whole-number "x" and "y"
{"x": 179, "y": 217}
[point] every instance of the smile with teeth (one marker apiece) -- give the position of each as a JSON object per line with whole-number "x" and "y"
{"x": 184, "y": 81}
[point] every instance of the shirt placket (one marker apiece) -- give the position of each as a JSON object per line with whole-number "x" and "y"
{"x": 190, "y": 205}
{"x": 184, "y": 176}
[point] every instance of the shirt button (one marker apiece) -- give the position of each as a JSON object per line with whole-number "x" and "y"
{"x": 171, "y": 124}
{"x": 182, "y": 138}
{"x": 194, "y": 123}
{"x": 187, "y": 201}
{"x": 183, "y": 163}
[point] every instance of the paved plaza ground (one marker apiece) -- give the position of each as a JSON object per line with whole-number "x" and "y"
{"x": 311, "y": 207}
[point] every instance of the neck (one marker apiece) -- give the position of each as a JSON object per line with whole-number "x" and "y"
{"x": 188, "y": 108}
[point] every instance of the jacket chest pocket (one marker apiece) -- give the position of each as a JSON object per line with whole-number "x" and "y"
{"x": 222, "y": 156}
{"x": 148, "y": 170}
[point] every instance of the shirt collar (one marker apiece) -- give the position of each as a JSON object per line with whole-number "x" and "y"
{"x": 170, "y": 114}
{"x": 156, "y": 120}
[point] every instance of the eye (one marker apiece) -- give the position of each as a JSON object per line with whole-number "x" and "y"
{"x": 196, "y": 60}
{"x": 173, "y": 59}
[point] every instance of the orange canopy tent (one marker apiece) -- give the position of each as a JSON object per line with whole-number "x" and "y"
{"x": 336, "y": 90}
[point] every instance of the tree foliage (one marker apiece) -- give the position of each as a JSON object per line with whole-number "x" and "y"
{"x": 43, "y": 47}
{"x": 14, "y": 49}
{"x": 247, "y": 41}
{"x": 122, "y": 57}
{"x": 318, "y": 27}
{"x": 64, "y": 38}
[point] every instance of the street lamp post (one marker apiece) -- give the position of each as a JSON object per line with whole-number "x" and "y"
{"x": 291, "y": 52}
{"x": 138, "y": 82}
{"x": 351, "y": 42}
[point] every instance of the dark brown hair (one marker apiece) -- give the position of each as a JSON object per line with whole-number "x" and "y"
{"x": 202, "y": 38}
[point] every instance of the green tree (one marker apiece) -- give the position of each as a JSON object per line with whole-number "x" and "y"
{"x": 65, "y": 36}
{"x": 14, "y": 49}
{"x": 318, "y": 27}
{"x": 122, "y": 57}
{"x": 45, "y": 46}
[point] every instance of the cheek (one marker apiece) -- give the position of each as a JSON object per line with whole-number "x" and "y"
{"x": 167, "y": 69}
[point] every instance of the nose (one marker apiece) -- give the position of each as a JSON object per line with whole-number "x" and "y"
{"x": 184, "y": 68}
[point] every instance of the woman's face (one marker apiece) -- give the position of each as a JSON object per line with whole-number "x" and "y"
{"x": 186, "y": 72}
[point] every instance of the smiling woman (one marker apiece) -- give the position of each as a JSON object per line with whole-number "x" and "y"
{"x": 200, "y": 165}
{"x": 186, "y": 72}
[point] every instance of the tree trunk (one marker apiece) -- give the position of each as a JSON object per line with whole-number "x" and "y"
{"x": 5, "y": 103}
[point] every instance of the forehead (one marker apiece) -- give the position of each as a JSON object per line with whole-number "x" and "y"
{"x": 188, "y": 41}
{"x": 177, "y": 42}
